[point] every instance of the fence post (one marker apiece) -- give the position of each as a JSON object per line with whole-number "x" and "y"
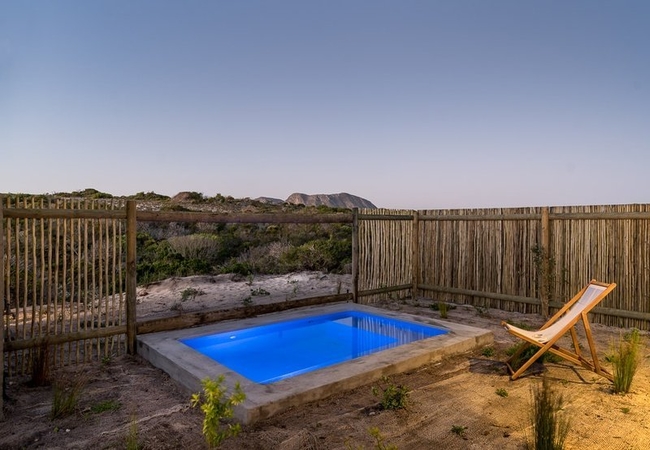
{"x": 546, "y": 266}
{"x": 2, "y": 305}
{"x": 355, "y": 254}
{"x": 131, "y": 282}
{"x": 415, "y": 255}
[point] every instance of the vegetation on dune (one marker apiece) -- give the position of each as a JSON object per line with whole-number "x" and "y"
{"x": 182, "y": 249}
{"x": 165, "y": 250}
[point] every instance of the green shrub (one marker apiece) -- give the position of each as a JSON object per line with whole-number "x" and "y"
{"x": 197, "y": 246}
{"x": 148, "y": 196}
{"x": 157, "y": 260}
{"x": 549, "y": 427}
{"x": 625, "y": 360}
{"x": 392, "y": 396}
{"x": 217, "y": 408}
{"x": 325, "y": 255}
{"x": 236, "y": 267}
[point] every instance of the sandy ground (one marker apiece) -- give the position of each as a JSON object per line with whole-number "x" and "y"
{"x": 456, "y": 394}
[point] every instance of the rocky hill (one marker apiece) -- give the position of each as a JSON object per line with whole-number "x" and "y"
{"x": 190, "y": 200}
{"x": 342, "y": 200}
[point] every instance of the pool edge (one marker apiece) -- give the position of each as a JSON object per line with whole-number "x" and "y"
{"x": 188, "y": 368}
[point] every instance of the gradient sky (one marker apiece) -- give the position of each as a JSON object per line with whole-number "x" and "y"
{"x": 409, "y": 104}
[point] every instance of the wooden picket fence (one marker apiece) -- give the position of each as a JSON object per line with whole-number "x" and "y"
{"x": 68, "y": 285}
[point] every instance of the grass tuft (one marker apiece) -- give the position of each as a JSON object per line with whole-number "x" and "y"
{"x": 550, "y": 428}
{"x": 66, "y": 396}
{"x": 106, "y": 405}
{"x": 625, "y": 360}
{"x": 132, "y": 440}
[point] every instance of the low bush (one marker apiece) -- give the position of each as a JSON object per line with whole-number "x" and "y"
{"x": 217, "y": 409}
{"x": 393, "y": 396}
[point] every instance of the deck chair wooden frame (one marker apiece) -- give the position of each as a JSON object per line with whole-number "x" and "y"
{"x": 565, "y": 320}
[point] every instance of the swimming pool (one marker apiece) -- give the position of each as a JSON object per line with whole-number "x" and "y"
{"x": 269, "y": 353}
{"x": 188, "y": 367}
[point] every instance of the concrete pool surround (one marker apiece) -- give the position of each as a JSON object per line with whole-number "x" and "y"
{"x": 188, "y": 367}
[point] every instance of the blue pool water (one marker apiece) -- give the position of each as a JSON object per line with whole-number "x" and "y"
{"x": 268, "y": 353}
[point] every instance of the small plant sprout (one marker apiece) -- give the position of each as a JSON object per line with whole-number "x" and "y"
{"x": 259, "y": 292}
{"x": 625, "y": 410}
{"x": 190, "y": 293}
{"x": 379, "y": 440}
{"x": 392, "y": 396}
{"x": 488, "y": 351}
{"x": 217, "y": 409}
{"x": 459, "y": 430}
{"x": 501, "y": 392}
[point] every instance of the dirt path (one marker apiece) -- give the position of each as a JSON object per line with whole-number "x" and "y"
{"x": 126, "y": 397}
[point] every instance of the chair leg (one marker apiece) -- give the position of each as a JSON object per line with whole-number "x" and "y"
{"x": 592, "y": 348}
{"x": 522, "y": 348}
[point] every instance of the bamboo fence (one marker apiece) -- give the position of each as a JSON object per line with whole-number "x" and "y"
{"x": 68, "y": 278}
{"x": 528, "y": 260}
{"x": 68, "y": 283}
{"x": 63, "y": 277}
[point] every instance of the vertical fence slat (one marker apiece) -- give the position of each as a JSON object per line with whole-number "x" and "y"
{"x": 131, "y": 283}
{"x": 355, "y": 255}
{"x": 415, "y": 255}
{"x": 5, "y": 322}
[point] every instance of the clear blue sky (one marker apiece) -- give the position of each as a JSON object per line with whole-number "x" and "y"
{"x": 410, "y": 104}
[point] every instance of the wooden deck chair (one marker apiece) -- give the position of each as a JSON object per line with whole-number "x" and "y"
{"x": 564, "y": 320}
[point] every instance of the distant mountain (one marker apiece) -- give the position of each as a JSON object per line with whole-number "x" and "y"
{"x": 342, "y": 200}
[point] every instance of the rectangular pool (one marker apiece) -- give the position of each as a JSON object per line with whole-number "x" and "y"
{"x": 269, "y": 353}
{"x": 316, "y": 380}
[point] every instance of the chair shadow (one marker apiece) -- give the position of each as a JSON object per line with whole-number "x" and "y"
{"x": 494, "y": 367}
